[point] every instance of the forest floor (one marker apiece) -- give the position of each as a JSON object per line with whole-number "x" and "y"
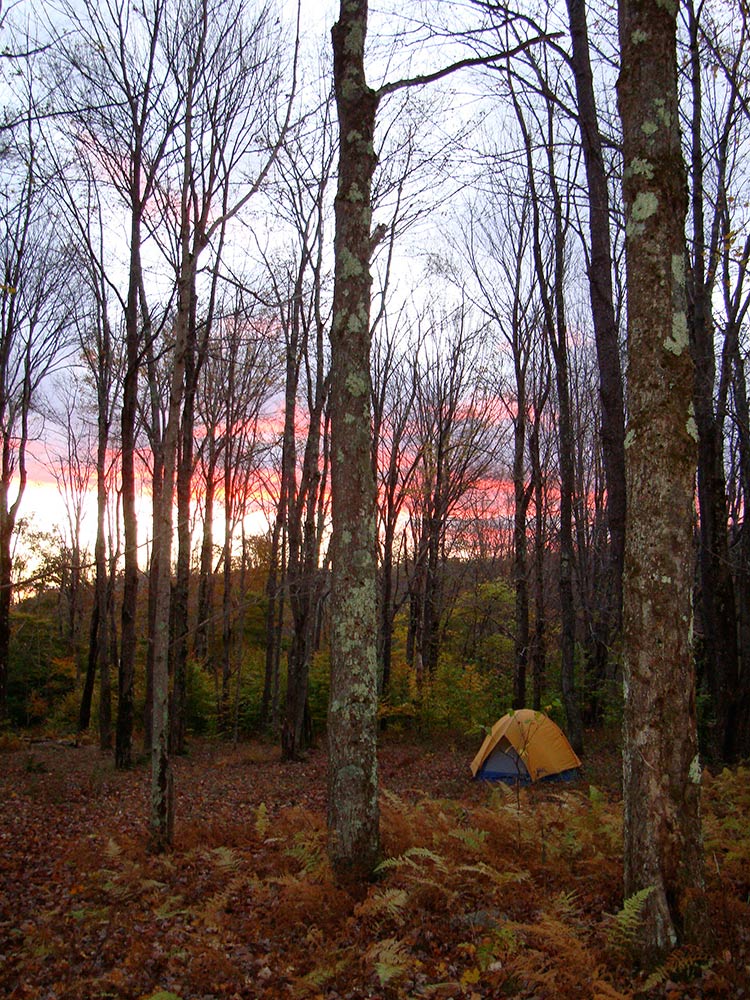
{"x": 485, "y": 893}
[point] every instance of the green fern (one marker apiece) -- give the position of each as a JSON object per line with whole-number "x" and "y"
{"x": 323, "y": 974}
{"x": 412, "y": 859}
{"x": 307, "y": 852}
{"x": 262, "y": 822}
{"x": 491, "y": 874}
{"x": 390, "y": 902}
{"x": 391, "y": 959}
{"x": 596, "y": 798}
{"x": 627, "y": 923}
{"x": 473, "y": 838}
{"x": 566, "y": 905}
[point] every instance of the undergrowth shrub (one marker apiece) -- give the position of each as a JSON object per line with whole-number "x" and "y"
{"x": 41, "y": 673}
{"x": 460, "y": 698}
{"x": 726, "y": 833}
{"x": 201, "y": 700}
{"x": 509, "y": 914}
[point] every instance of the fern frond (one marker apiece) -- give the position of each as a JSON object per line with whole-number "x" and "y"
{"x": 151, "y": 883}
{"x": 171, "y": 907}
{"x": 682, "y": 966}
{"x": 566, "y": 904}
{"x": 627, "y": 923}
{"x": 323, "y": 974}
{"x": 225, "y": 859}
{"x": 411, "y": 859}
{"x": 211, "y": 913}
{"x": 391, "y": 959}
{"x": 121, "y": 892}
{"x": 262, "y": 822}
{"x": 498, "y": 877}
{"x": 393, "y": 800}
{"x": 386, "y": 901}
{"x": 657, "y": 977}
{"x": 471, "y": 836}
{"x": 307, "y": 852}
{"x": 113, "y": 849}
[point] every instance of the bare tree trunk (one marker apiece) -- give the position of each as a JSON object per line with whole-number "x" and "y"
{"x": 743, "y": 553}
{"x": 181, "y": 592}
{"x": 98, "y": 644}
{"x": 551, "y": 290}
{"x": 608, "y": 615}
{"x": 662, "y": 827}
{"x": 157, "y": 485}
{"x": 353, "y": 816}
{"x": 227, "y": 630}
{"x": 522, "y": 497}
{"x": 84, "y": 712}
{"x": 274, "y": 610}
{"x": 538, "y": 641}
{"x": 203, "y": 629}
{"x": 6, "y": 566}
{"x": 717, "y": 600}
{"x": 126, "y": 675}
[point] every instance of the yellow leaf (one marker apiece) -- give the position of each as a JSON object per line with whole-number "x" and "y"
{"x": 470, "y": 976}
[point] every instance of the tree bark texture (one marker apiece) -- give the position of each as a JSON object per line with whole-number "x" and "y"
{"x": 551, "y": 290}
{"x": 126, "y": 673}
{"x": 718, "y": 648}
{"x": 353, "y": 819}
{"x": 661, "y": 779}
{"x": 609, "y": 616}
{"x": 522, "y": 497}
{"x": 6, "y": 591}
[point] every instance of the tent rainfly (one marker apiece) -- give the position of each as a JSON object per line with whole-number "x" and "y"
{"x": 525, "y": 746}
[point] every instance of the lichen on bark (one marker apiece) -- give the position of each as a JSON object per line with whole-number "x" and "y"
{"x": 353, "y": 819}
{"x": 662, "y": 838}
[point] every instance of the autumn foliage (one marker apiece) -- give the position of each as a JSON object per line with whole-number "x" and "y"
{"x": 483, "y": 892}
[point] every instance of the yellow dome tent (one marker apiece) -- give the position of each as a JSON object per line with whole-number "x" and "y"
{"x": 525, "y": 746}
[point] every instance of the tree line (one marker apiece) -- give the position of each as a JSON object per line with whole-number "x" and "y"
{"x": 399, "y": 331}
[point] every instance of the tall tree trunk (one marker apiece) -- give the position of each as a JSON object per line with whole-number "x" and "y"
{"x": 98, "y": 642}
{"x": 6, "y": 565}
{"x": 126, "y": 674}
{"x": 157, "y": 485}
{"x": 273, "y": 613}
{"x": 386, "y": 611}
{"x": 521, "y": 496}
{"x": 92, "y": 659}
{"x": 661, "y": 783}
{"x": 181, "y": 591}
{"x": 552, "y": 291}
{"x": 162, "y": 789}
{"x": 717, "y": 601}
{"x": 743, "y": 552}
{"x": 203, "y": 629}
{"x": 608, "y": 613}
{"x": 353, "y": 817}
{"x": 538, "y": 640}
{"x": 293, "y": 731}
{"x": 567, "y": 552}
{"x": 227, "y": 631}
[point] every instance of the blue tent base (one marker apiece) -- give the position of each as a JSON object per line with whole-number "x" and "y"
{"x": 516, "y": 778}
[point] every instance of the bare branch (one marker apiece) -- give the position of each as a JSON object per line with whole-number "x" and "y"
{"x": 439, "y": 74}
